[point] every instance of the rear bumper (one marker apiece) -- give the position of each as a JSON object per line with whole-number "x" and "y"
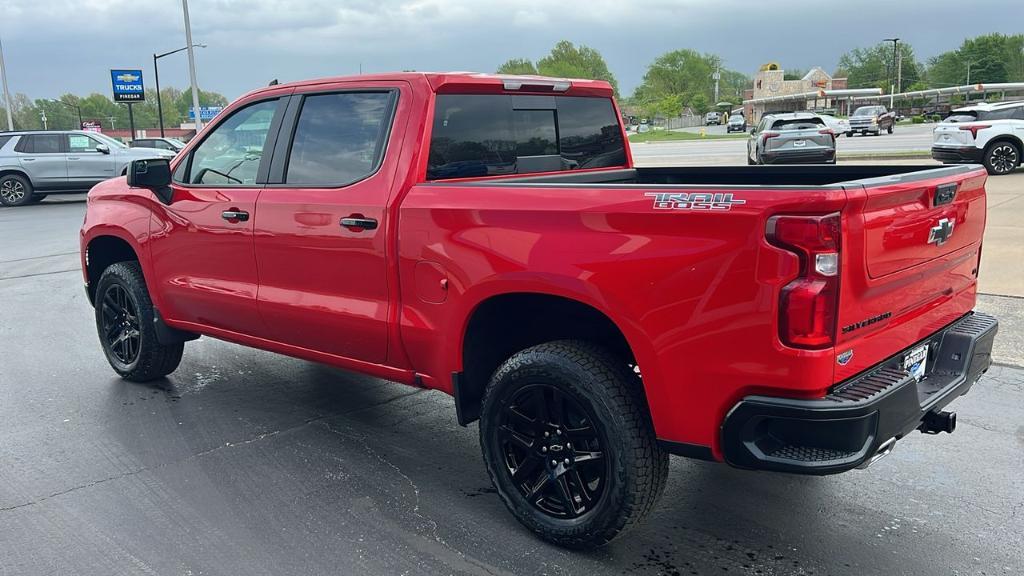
{"x": 815, "y": 155}
{"x": 960, "y": 154}
{"x": 862, "y": 415}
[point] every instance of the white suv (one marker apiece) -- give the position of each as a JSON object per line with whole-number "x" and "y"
{"x": 989, "y": 134}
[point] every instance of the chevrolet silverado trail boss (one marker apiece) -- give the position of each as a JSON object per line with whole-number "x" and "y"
{"x": 489, "y": 237}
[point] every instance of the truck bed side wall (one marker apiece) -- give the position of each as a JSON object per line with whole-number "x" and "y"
{"x": 694, "y": 291}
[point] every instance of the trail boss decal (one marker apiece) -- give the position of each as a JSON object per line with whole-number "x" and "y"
{"x": 698, "y": 201}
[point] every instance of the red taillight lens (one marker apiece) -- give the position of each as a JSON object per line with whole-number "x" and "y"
{"x": 808, "y": 305}
{"x": 973, "y": 129}
{"x": 827, "y": 131}
{"x": 768, "y": 135}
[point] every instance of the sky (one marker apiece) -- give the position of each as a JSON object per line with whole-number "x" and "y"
{"x": 56, "y": 46}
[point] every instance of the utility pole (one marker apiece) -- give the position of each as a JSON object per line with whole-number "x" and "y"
{"x": 8, "y": 104}
{"x": 717, "y": 76}
{"x": 192, "y": 67}
{"x": 895, "y": 85}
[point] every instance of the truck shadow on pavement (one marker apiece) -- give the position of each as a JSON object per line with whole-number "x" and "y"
{"x": 247, "y": 446}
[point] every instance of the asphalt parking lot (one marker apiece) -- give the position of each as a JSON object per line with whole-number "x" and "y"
{"x": 245, "y": 462}
{"x": 905, "y": 139}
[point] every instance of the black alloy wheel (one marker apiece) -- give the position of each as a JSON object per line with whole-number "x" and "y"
{"x": 552, "y": 451}
{"x": 120, "y": 324}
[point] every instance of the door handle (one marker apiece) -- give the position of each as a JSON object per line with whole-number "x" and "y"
{"x": 359, "y": 223}
{"x": 237, "y": 215}
{"x": 73, "y": 158}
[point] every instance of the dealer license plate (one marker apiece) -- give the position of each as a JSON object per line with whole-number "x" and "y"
{"x": 915, "y": 361}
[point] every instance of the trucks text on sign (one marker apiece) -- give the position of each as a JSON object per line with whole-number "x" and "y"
{"x": 127, "y": 85}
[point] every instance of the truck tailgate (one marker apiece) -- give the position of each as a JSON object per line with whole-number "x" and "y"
{"x": 912, "y": 248}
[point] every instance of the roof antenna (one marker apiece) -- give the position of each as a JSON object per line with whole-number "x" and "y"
{"x": 273, "y": 82}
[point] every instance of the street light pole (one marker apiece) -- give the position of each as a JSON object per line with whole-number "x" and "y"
{"x": 7, "y": 93}
{"x": 192, "y": 66}
{"x": 156, "y": 73}
{"x": 69, "y": 105}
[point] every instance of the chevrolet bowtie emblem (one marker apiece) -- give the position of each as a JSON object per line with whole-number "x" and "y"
{"x": 940, "y": 232}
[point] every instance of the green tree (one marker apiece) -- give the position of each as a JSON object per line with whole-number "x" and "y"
{"x": 687, "y": 75}
{"x": 874, "y": 67}
{"x": 991, "y": 58}
{"x": 517, "y": 66}
{"x": 568, "y": 61}
{"x": 794, "y": 74}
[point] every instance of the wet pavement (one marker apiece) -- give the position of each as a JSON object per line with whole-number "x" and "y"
{"x": 245, "y": 462}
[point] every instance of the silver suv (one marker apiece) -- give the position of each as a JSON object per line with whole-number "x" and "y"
{"x": 790, "y": 139}
{"x": 35, "y": 164}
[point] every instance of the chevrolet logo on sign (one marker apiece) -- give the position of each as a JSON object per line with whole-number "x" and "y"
{"x": 940, "y": 232}
{"x": 127, "y": 77}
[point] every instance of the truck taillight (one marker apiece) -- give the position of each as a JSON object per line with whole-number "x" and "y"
{"x": 808, "y": 304}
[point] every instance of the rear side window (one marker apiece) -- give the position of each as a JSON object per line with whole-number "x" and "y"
{"x": 40, "y": 144}
{"x": 4, "y": 140}
{"x": 487, "y": 135}
{"x": 1003, "y": 114}
{"x": 339, "y": 138}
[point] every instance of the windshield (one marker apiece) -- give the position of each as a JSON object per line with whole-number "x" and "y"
{"x": 866, "y": 111}
{"x": 108, "y": 140}
{"x": 736, "y": 119}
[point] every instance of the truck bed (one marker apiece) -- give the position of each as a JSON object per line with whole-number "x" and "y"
{"x": 774, "y": 176}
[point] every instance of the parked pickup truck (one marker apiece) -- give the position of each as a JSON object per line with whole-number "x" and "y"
{"x": 871, "y": 120}
{"x": 489, "y": 237}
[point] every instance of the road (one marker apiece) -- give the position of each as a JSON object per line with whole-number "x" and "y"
{"x": 905, "y": 138}
{"x": 245, "y": 462}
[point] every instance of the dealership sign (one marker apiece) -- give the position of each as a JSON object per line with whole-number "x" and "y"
{"x": 91, "y": 126}
{"x": 205, "y": 112}
{"x": 127, "y": 85}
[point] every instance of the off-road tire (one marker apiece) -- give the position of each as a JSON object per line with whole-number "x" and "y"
{"x": 889, "y": 129}
{"x": 600, "y": 382}
{"x": 152, "y": 360}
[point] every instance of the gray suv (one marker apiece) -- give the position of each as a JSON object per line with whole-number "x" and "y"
{"x": 35, "y": 164}
{"x": 791, "y": 139}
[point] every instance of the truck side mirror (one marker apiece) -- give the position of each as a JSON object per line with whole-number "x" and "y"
{"x": 152, "y": 173}
{"x": 103, "y": 149}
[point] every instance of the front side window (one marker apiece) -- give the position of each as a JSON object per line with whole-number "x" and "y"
{"x": 487, "y": 135}
{"x": 339, "y": 138}
{"x": 80, "y": 143}
{"x": 231, "y": 154}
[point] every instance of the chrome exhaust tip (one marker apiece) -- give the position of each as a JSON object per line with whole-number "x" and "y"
{"x": 884, "y": 450}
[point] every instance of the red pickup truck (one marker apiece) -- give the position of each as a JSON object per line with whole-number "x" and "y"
{"x": 489, "y": 237}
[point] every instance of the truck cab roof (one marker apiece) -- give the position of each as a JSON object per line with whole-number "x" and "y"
{"x": 440, "y": 82}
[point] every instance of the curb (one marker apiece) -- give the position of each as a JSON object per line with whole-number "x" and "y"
{"x": 908, "y": 155}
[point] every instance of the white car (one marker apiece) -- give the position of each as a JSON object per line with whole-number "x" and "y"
{"x": 838, "y": 125}
{"x": 989, "y": 134}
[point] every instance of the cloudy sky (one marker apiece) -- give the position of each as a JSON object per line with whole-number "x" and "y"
{"x": 57, "y": 46}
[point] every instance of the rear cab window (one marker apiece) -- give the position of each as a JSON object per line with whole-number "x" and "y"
{"x": 477, "y": 135}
